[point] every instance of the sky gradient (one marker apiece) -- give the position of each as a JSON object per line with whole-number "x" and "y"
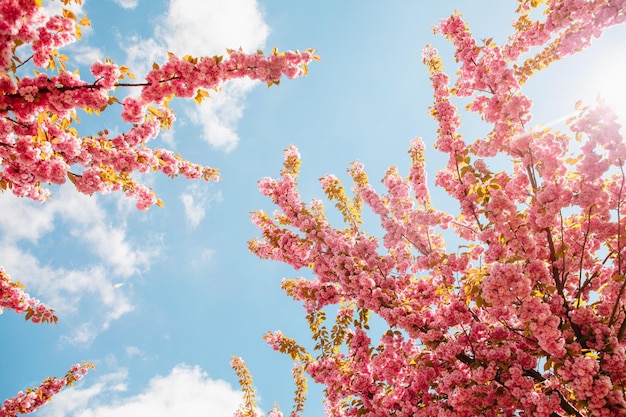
{"x": 160, "y": 300}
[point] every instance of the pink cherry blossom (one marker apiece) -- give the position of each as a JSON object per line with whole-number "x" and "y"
{"x": 39, "y": 110}
{"x": 12, "y": 296}
{"x": 29, "y": 401}
{"x": 40, "y": 144}
{"x": 513, "y": 302}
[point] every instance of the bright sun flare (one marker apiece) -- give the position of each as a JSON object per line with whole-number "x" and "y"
{"x": 611, "y": 85}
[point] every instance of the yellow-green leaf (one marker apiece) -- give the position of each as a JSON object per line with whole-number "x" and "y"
{"x": 69, "y": 14}
{"x": 84, "y": 21}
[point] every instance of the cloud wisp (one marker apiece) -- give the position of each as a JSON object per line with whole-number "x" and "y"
{"x": 127, "y": 4}
{"x": 96, "y": 253}
{"x": 196, "y": 199}
{"x": 185, "y": 391}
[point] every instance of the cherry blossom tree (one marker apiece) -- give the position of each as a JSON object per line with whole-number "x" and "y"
{"x": 527, "y": 316}
{"x": 40, "y": 144}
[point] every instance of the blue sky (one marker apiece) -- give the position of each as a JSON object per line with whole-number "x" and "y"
{"x": 161, "y": 300}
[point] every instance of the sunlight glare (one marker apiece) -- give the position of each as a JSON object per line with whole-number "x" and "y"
{"x": 612, "y": 86}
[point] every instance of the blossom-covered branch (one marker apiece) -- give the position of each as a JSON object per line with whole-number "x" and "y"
{"x": 12, "y": 296}
{"x": 40, "y": 142}
{"x": 528, "y": 315}
{"x": 29, "y": 401}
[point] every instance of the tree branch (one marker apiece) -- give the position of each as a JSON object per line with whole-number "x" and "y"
{"x": 531, "y": 373}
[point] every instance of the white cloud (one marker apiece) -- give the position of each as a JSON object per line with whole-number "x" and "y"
{"x": 167, "y": 137}
{"x": 127, "y": 4}
{"x": 134, "y": 351}
{"x": 82, "y": 335}
{"x": 142, "y": 53}
{"x": 204, "y": 28}
{"x": 196, "y": 200}
{"x": 64, "y": 290}
{"x": 209, "y": 27}
{"x": 88, "y": 222}
{"x": 186, "y": 391}
{"x": 206, "y": 256}
{"x": 78, "y": 278}
{"x": 193, "y": 211}
{"x": 219, "y": 115}
{"x": 85, "y": 54}
{"x": 111, "y": 245}
{"x": 35, "y": 220}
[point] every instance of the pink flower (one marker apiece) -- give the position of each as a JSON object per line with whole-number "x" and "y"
{"x": 134, "y": 110}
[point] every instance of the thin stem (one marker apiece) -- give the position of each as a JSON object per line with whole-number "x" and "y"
{"x": 532, "y": 373}
{"x": 563, "y": 274}
{"x": 559, "y": 288}
{"x": 458, "y": 173}
{"x": 23, "y": 63}
{"x": 595, "y": 274}
{"x": 582, "y": 253}
{"x": 94, "y": 86}
{"x": 622, "y": 329}
{"x": 619, "y": 252}
{"x": 421, "y": 249}
{"x": 17, "y": 123}
{"x": 565, "y": 405}
{"x": 555, "y": 269}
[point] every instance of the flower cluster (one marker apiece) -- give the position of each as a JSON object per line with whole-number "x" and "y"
{"x": 40, "y": 144}
{"x": 182, "y": 77}
{"x": 528, "y": 315}
{"x": 29, "y": 401}
{"x": 38, "y": 141}
{"x": 12, "y": 296}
